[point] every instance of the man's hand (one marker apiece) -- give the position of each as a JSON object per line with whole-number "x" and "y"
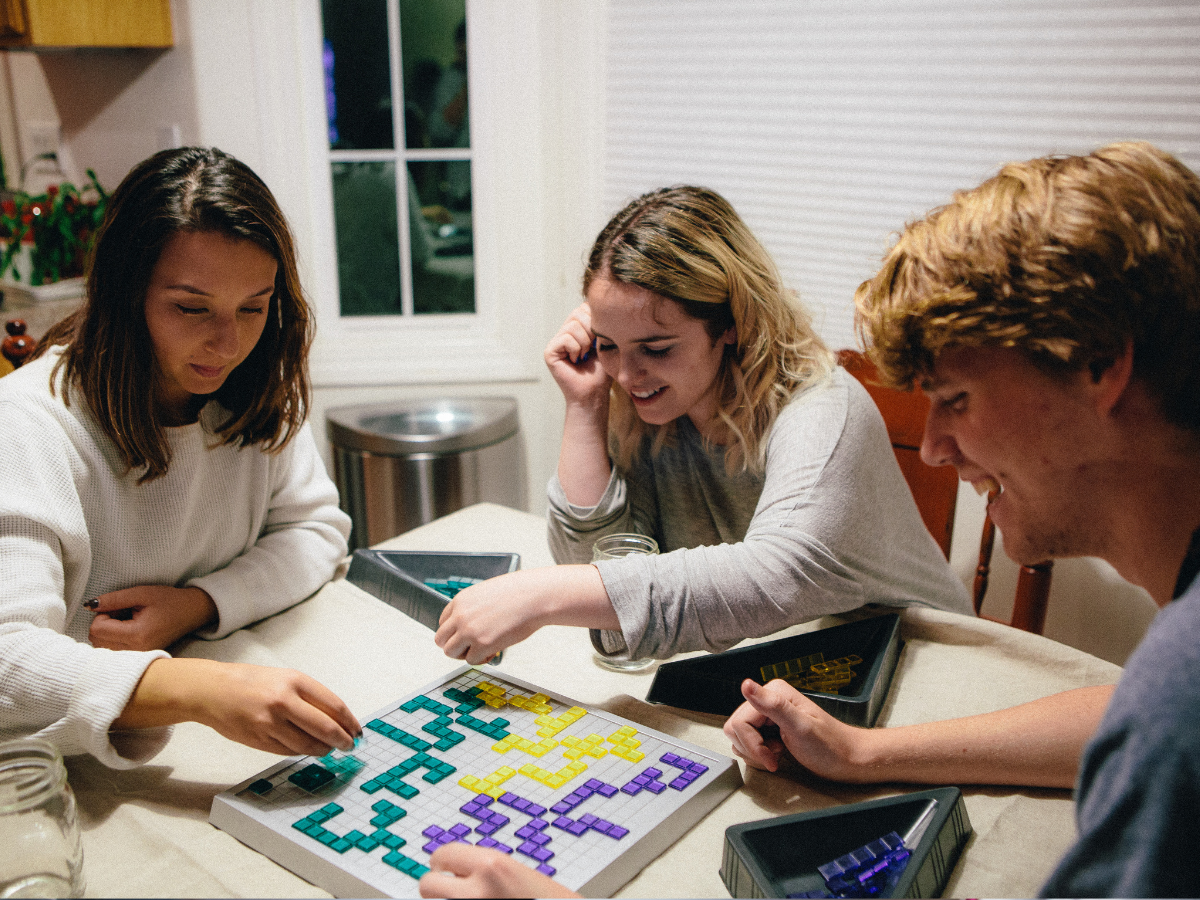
{"x": 815, "y": 739}
{"x": 460, "y": 870}
{"x": 148, "y": 617}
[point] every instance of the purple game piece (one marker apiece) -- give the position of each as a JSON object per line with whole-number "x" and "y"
{"x": 617, "y": 832}
{"x": 549, "y": 871}
{"x": 522, "y": 805}
{"x": 445, "y": 838}
{"x": 632, "y": 789}
{"x": 483, "y": 800}
{"x": 431, "y": 846}
{"x": 541, "y": 854}
{"x": 562, "y": 822}
{"x": 656, "y": 787}
{"x": 460, "y": 830}
{"x": 486, "y": 842}
{"x": 538, "y": 824}
{"x": 679, "y": 784}
{"x": 525, "y": 832}
{"x": 487, "y": 828}
{"x": 509, "y": 799}
{"x": 584, "y": 792}
{"x": 498, "y": 820}
{"x": 587, "y": 819}
{"x": 669, "y": 758}
{"x": 594, "y": 784}
{"x": 653, "y": 772}
{"x": 607, "y": 790}
{"x": 533, "y": 810}
{"x": 540, "y": 839}
{"x": 560, "y": 808}
{"x": 698, "y": 769}
{"x": 601, "y": 826}
{"x": 432, "y": 831}
{"x": 577, "y": 829}
{"x": 471, "y": 809}
{"x": 528, "y": 848}
{"x": 641, "y": 780}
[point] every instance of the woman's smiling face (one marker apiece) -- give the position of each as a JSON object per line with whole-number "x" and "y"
{"x": 662, "y": 357}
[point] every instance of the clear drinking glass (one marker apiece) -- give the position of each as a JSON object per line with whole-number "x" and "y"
{"x": 614, "y": 546}
{"x": 42, "y": 853}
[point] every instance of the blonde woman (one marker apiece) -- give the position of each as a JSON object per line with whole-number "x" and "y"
{"x": 703, "y": 410}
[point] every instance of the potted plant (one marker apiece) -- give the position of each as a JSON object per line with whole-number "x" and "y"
{"x": 46, "y": 237}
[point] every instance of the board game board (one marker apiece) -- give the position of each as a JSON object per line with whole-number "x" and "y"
{"x": 585, "y": 796}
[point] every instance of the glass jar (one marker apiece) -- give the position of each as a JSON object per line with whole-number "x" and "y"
{"x": 42, "y": 853}
{"x": 615, "y": 546}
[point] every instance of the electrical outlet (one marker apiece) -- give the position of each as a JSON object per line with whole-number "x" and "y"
{"x": 41, "y": 138}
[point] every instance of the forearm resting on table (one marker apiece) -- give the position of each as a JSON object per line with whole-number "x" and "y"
{"x": 1038, "y": 744}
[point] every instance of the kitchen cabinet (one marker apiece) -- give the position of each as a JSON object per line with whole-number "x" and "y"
{"x": 65, "y": 24}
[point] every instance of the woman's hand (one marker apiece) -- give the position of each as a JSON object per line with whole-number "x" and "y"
{"x": 572, "y": 360}
{"x": 148, "y": 617}
{"x": 460, "y": 870}
{"x": 488, "y": 617}
{"x": 277, "y": 710}
{"x": 815, "y": 739}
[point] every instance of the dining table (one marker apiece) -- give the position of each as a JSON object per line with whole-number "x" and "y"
{"x": 146, "y": 831}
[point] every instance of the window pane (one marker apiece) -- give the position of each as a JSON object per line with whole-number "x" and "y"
{"x": 433, "y": 39}
{"x": 358, "y": 83}
{"x": 443, "y": 259}
{"x": 368, "y": 241}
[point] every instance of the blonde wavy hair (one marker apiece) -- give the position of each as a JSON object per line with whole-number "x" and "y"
{"x": 688, "y": 245}
{"x": 1068, "y": 259}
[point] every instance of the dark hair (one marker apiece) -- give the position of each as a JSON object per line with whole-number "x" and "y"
{"x": 109, "y": 356}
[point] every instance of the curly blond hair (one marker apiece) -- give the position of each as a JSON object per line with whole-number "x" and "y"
{"x": 688, "y": 245}
{"x": 1069, "y": 259}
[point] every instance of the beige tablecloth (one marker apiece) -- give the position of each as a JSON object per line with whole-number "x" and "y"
{"x": 146, "y": 831}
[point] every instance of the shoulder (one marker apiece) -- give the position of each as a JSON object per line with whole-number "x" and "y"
{"x": 829, "y": 410}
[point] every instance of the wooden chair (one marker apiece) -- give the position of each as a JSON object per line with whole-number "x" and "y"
{"x": 936, "y": 491}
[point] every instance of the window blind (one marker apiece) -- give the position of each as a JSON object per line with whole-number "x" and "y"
{"x": 830, "y": 123}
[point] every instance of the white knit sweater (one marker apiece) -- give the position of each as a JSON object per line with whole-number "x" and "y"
{"x": 257, "y": 531}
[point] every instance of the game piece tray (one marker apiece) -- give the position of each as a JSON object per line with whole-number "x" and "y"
{"x": 585, "y": 796}
{"x": 397, "y": 577}
{"x": 779, "y": 857}
{"x": 713, "y": 683}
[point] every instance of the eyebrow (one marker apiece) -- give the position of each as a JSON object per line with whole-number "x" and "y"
{"x": 191, "y": 289}
{"x": 652, "y": 339}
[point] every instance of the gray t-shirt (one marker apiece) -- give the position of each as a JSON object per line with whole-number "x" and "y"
{"x": 1138, "y": 794}
{"x": 830, "y": 527}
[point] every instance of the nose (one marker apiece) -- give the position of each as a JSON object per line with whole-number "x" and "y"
{"x": 629, "y": 369}
{"x": 223, "y": 338}
{"x": 938, "y": 447}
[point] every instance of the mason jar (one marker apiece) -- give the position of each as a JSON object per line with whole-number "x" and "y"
{"x": 616, "y": 546}
{"x": 41, "y": 853}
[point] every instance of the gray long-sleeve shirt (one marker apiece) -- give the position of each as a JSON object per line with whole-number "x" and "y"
{"x": 830, "y": 526}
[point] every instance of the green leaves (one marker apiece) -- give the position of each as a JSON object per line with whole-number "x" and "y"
{"x": 57, "y": 226}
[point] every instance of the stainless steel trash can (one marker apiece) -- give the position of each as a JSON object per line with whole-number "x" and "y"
{"x": 402, "y": 464}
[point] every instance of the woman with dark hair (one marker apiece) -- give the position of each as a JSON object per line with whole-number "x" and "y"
{"x": 703, "y": 410}
{"x": 159, "y": 479}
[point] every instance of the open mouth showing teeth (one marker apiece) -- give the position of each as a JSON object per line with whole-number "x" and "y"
{"x": 987, "y": 486}
{"x": 646, "y": 395}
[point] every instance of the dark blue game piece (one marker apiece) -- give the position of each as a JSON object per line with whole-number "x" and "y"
{"x": 311, "y": 778}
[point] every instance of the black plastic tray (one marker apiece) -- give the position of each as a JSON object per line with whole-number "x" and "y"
{"x": 713, "y": 683}
{"x": 397, "y": 577}
{"x": 779, "y": 857}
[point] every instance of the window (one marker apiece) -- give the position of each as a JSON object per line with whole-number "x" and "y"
{"x": 397, "y": 108}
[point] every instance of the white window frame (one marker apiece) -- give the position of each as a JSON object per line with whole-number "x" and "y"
{"x": 494, "y": 343}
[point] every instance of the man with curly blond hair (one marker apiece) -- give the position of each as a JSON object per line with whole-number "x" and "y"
{"x": 1052, "y": 315}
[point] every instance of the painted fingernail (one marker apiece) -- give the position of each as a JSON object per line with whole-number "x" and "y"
{"x": 91, "y": 604}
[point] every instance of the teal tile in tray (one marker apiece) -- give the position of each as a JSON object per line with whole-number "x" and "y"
{"x": 713, "y": 683}
{"x": 780, "y": 857}
{"x": 398, "y": 577}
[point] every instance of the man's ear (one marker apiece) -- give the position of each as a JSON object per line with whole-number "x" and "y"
{"x": 1111, "y": 378}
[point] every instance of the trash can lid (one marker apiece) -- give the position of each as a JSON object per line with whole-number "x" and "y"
{"x": 404, "y": 427}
